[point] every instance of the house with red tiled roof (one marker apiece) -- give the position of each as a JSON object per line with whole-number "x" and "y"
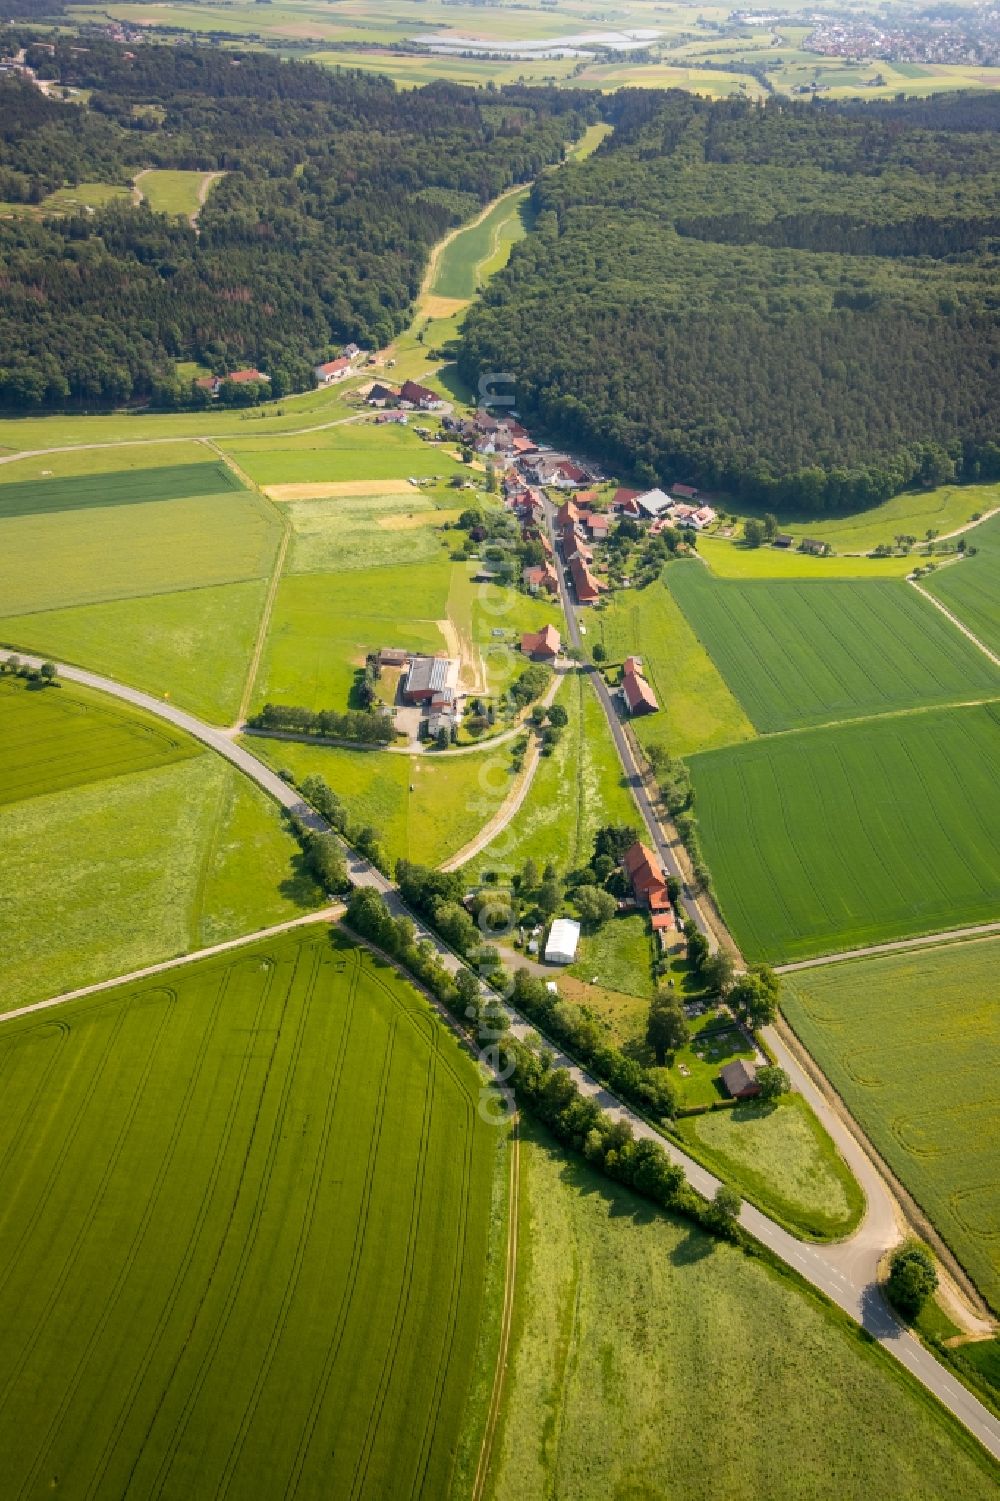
{"x": 541, "y": 576}
{"x": 684, "y": 492}
{"x": 645, "y": 874}
{"x": 622, "y": 498}
{"x": 637, "y": 693}
{"x": 543, "y": 645}
{"x": 574, "y": 546}
{"x": 414, "y": 395}
{"x": 567, "y": 514}
{"x": 588, "y": 589}
{"x": 213, "y": 383}
{"x": 332, "y": 370}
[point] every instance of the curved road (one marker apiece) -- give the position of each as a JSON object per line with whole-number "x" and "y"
{"x": 845, "y": 1272}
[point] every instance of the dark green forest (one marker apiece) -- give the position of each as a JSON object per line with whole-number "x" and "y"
{"x": 337, "y": 186}
{"x": 793, "y": 303}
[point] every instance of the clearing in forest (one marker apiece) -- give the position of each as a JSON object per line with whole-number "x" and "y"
{"x": 243, "y": 1241}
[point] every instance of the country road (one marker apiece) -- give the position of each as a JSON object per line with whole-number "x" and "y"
{"x": 845, "y": 1272}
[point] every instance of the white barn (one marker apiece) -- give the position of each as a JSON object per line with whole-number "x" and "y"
{"x": 564, "y": 935}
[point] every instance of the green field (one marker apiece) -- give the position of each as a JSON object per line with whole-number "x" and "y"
{"x": 910, "y": 1041}
{"x": 913, "y": 513}
{"x": 244, "y": 1237}
{"x": 477, "y": 252}
{"x": 797, "y": 653}
{"x": 972, "y": 589}
{"x": 82, "y": 538}
{"x": 324, "y": 623}
{"x": 350, "y": 451}
{"x": 193, "y": 646}
{"x": 63, "y": 736}
{"x": 574, "y": 792}
{"x": 732, "y": 560}
{"x": 172, "y": 192}
{"x": 649, "y": 1362}
{"x": 835, "y": 838}
{"x": 426, "y": 807}
{"x": 618, "y": 956}
{"x": 123, "y": 843}
{"x": 697, "y": 709}
{"x": 372, "y": 531}
{"x": 780, "y": 1158}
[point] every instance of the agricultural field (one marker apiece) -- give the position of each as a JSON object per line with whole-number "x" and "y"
{"x": 192, "y": 646}
{"x": 649, "y": 1361}
{"x": 178, "y": 1283}
{"x": 913, "y": 513}
{"x": 82, "y": 538}
{"x": 426, "y": 807}
{"x": 174, "y": 192}
{"x": 697, "y": 709}
{"x": 349, "y": 451}
{"x": 798, "y": 653}
{"x": 618, "y": 956}
{"x": 123, "y": 843}
{"x": 574, "y": 792}
{"x": 363, "y": 532}
{"x": 780, "y": 1158}
{"x": 731, "y": 560}
{"x": 831, "y": 839}
{"x": 324, "y": 623}
{"x": 972, "y": 589}
{"x": 480, "y": 250}
{"x": 910, "y": 1042}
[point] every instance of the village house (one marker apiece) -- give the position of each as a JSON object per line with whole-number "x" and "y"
{"x": 543, "y": 645}
{"x": 588, "y": 589}
{"x": 699, "y": 517}
{"x": 414, "y": 395}
{"x": 598, "y": 525}
{"x": 428, "y": 677}
{"x": 623, "y": 498}
{"x": 332, "y": 371}
{"x": 568, "y": 514}
{"x": 541, "y": 576}
{"x": 213, "y": 383}
{"x": 649, "y": 887}
{"x": 574, "y": 546}
{"x": 638, "y": 695}
{"x": 816, "y": 548}
{"x": 391, "y": 414}
{"x": 380, "y": 395}
{"x": 740, "y": 1079}
{"x": 783, "y": 539}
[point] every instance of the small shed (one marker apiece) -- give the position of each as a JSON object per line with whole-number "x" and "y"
{"x": 564, "y": 936}
{"x": 740, "y": 1079}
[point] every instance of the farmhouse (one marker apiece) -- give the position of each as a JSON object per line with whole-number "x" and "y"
{"x": 414, "y": 395}
{"x": 653, "y": 502}
{"x": 332, "y": 371}
{"x": 543, "y": 645}
{"x": 814, "y": 546}
{"x": 587, "y": 588}
{"x": 740, "y": 1079}
{"x": 700, "y": 518}
{"x": 428, "y": 677}
{"x": 637, "y": 693}
{"x": 213, "y": 383}
{"x": 783, "y": 539}
{"x": 564, "y": 935}
{"x": 380, "y": 395}
{"x": 542, "y": 576}
{"x": 645, "y": 874}
{"x": 623, "y": 498}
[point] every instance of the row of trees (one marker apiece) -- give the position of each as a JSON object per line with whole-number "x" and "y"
{"x": 353, "y": 724}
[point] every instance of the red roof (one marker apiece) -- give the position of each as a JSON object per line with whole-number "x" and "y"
{"x": 586, "y": 586}
{"x": 573, "y": 473}
{"x": 686, "y": 492}
{"x": 586, "y": 498}
{"x": 622, "y": 497}
{"x": 332, "y": 366}
{"x": 411, "y": 391}
{"x": 567, "y": 514}
{"x": 638, "y": 694}
{"x": 241, "y": 376}
{"x": 664, "y": 921}
{"x": 645, "y": 872}
{"x": 543, "y": 643}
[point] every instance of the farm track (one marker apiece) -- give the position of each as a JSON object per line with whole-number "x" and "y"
{"x": 506, "y": 1318}
{"x": 958, "y": 624}
{"x": 926, "y": 940}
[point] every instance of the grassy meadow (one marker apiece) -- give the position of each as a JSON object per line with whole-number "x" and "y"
{"x": 477, "y": 252}
{"x": 697, "y": 709}
{"x": 798, "y": 653}
{"x": 574, "y": 792}
{"x": 173, "y": 192}
{"x": 618, "y": 956}
{"x": 244, "y": 1240}
{"x": 426, "y": 807}
{"x": 913, "y": 513}
{"x": 972, "y": 589}
{"x": 649, "y": 1361}
{"x": 910, "y": 1042}
{"x": 831, "y": 839}
{"x": 781, "y": 1159}
{"x": 733, "y": 560}
{"x": 349, "y": 451}
{"x": 366, "y": 531}
{"x": 193, "y": 646}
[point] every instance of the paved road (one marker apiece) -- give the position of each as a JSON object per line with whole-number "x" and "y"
{"x": 845, "y": 1273}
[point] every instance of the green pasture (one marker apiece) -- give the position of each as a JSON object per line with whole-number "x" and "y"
{"x": 971, "y": 590}
{"x": 732, "y": 560}
{"x": 372, "y": 531}
{"x": 649, "y": 1361}
{"x": 244, "y": 1237}
{"x": 912, "y": 514}
{"x": 477, "y": 610}
{"x": 803, "y": 653}
{"x": 192, "y": 646}
{"x": 77, "y": 541}
{"x": 575, "y": 791}
{"x": 172, "y": 192}
{"x": 836, "y": 838}
{"x": 323, "y": 624}
{"x": 780, "y": 1158}
{"x": 62, "y": 736}
{"x": 425, "y": 807}
{"x": 618, "y": 956}
{"x": 106, "y": 877}
{"x": 84, "y": 195}
{"x": 481, "y": 249}
{"x": 350, "y": 451}
{"x": 910, "y": 1041}
{"x": 697, "y": 709}
{"x": 81, "y": 475}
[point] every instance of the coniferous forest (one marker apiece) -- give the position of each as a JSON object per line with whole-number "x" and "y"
{"x": 337, "y": 185}
{"x": 789, "y": 302}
